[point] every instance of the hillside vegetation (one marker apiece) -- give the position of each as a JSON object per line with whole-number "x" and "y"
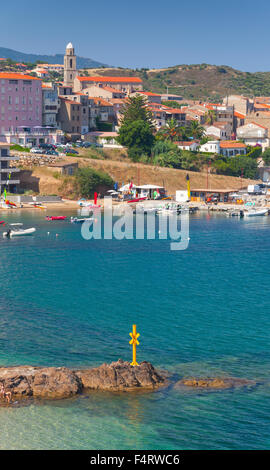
{"x": 44, "y": 181}
{"x": 201, "y": 81}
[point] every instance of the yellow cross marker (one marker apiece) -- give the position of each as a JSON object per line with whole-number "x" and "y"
{"x": 134, "y": 335}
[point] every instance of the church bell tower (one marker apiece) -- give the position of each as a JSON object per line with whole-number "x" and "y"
{"x": 69, "y": 65}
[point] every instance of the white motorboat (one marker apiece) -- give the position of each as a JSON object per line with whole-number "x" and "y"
{"x": 19, "y": 233}
{"x": 254, "y": 212}
{"x": 170, "y": 209}
{"x": 76, "y": 220}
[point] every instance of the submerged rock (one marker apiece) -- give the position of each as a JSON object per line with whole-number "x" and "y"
{"x": 214, "y": 382}
{"x": 61, "y": 382}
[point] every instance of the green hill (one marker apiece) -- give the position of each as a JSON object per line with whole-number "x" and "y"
{"x": 202, "y": 81}
{"x": 50, "y": 59}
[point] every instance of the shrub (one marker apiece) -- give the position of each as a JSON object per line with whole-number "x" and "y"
{"x": 19, "y": 148}
{"x": 89, "y": 180}
{"x": 266, "y": 156}
{"x": 254, "y": 152}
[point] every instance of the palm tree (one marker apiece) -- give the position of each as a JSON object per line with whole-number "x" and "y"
{"x": 172, "y": 131}
{"x": 196, "y": 130}
{"x": 210, "y": 116}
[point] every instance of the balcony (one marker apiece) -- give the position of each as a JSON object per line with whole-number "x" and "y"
{"x": 9, "y": 170}
{"x": 7, "y": 182}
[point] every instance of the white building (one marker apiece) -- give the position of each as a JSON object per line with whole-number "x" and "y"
{"x": 253, "y": 134}
{"x": 212, "y": 146}
{"x": 187, "y": 145}
{"x": 220, "y": 130}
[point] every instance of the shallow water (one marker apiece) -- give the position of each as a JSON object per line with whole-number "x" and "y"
{"x": 202, "y": 311}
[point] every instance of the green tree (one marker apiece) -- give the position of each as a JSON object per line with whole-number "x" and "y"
{"x": 163, "y": 146}
{"x": 137, "y": 136}
{"x": 136, "y": 109}
{"x": 210, "y": 116}
{"x": 234, "y": 166}
{"x": 196, "y": 130}
{"x": 172, "y": 131}
{"x": 89, "y": 180}
{"x": 136, "y": 131}
{"x": 266, "y": 156}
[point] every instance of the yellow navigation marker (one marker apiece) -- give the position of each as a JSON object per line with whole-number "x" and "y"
{"x": 134, "y": 335}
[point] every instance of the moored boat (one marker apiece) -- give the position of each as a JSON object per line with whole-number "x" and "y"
{"x": 76, "y": 220}
{"x": 57, "y": 217}
{"x": 19, "y": 233}
{"x": 256, "y": 213}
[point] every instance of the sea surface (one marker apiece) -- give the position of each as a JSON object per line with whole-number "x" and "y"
{"x": 203, "y": 311}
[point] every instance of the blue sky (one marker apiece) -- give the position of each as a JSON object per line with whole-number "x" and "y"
{"x": 143, "y": 33}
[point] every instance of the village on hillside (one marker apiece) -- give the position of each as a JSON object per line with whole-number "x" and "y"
{"x": 55, "y": 110}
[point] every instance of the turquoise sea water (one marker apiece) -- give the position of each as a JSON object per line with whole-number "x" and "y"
{"x": 203, "y": 311}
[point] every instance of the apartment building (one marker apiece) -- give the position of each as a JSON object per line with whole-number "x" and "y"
{"x": 20, "y": 102}
{"x": 8, "y": 176}
{"x": 50, "y": 104}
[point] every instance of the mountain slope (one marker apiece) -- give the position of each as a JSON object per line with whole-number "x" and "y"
{"x": 50, "y": 59}
{"x": 202, "y": 81}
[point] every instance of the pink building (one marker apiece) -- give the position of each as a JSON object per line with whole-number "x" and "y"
{"x": 20, "y": 102}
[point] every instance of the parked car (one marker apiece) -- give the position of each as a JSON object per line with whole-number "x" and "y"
{"x": 87, "y": 144}
{"x": 36, "y": 150}
{"x": 72, "y": 151}
{"x": 47, "y": 146}
{"x": 51, "y": 152}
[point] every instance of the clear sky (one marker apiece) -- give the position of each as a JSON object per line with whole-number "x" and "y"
{"x": 143, "y": 33}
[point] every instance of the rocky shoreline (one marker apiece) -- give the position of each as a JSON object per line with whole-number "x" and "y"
{"x": 24, "y": 382}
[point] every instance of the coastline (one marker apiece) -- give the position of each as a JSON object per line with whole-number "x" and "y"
{"x": 24, "y": 382}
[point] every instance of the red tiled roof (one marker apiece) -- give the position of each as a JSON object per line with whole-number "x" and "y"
{"x": 227, "y": 144}
{"x": 69, "y": 101}
{"x": 255, "y": 123}
{"x": 174, "y": 111}
{"x": 148, "y": 93}
{"x": 262, "y": 105}
{"x": 185, "y": 143}
{"x": 17, "y": 76}
{"x": 99, "y": 101}
{"x": 239, "y": 115}
{"x": 110, "y": 79}
{"x": 117, "y": 100}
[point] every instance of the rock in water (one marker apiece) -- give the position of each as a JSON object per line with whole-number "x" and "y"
{"x": 60, "y": 382}
{"x": 39, "y": 382}
{"x": 214, "y": 382}
{"x": 121, "y": 375}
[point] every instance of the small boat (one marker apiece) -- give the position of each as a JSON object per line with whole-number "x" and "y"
{"x": 57, "y": 217}
{"x": 37, "y": 205}
{"x": 255, "y": 213}
{"x": 19, "y": 233}
{"x": 236, "y": 214}
{"x": 76, "y": 220}
{"x": 137, "y": 199}
{"x": 88, "y": 204}
{"x": 170, "y": 209}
